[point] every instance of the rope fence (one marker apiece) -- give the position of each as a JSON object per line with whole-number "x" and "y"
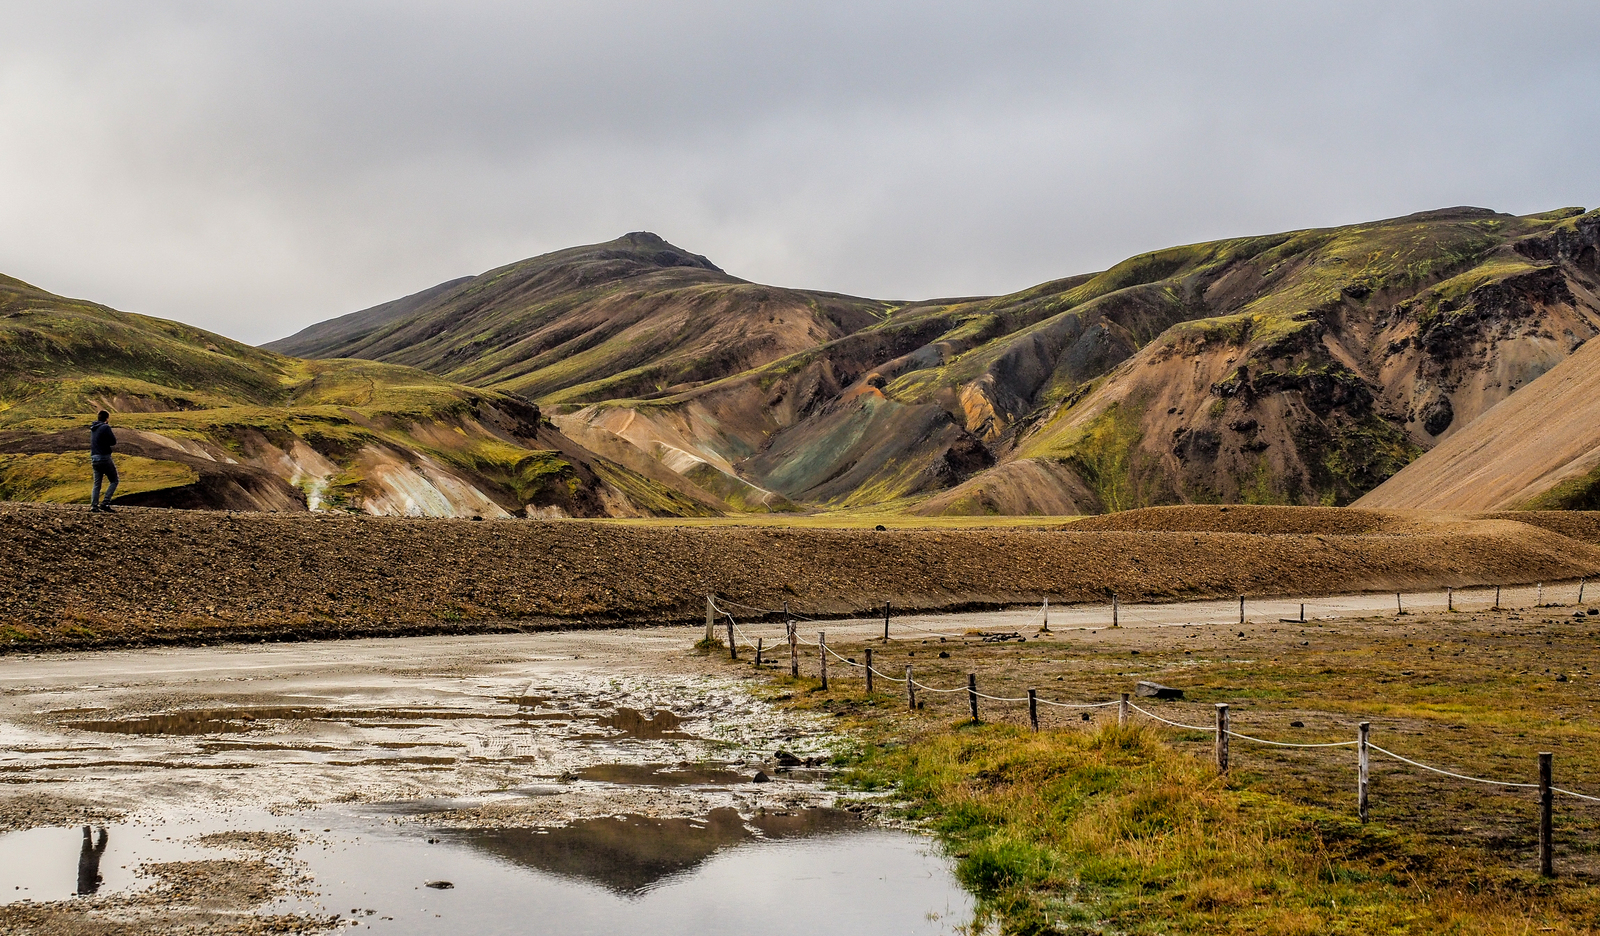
{"x": 1221, "y": 730}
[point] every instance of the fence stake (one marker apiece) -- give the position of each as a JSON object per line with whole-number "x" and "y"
{"x": 869, "y": 671}
{"x": 1581, "y": 583}
{"x": 822, "y": 654}
{"x": 972, "y": 695}
{"x": 1302, "y": 613}
{"x": 733, "y": 648}
{"x": 711, "y": 625}
{"x": 1033, "y": 708}
{"x": 1115, "y": 612}
{"x": 1046, "y": 627}
{"x": 1363, "y": 759}
{"x": 759, "y": 642}
{"x": 1222, "y": 737}
{"x": 1539, "y": 602}
{"x": 1547, "y": 845}
{"x": 1122, "y": 710}
{"x": 1497, "y": 597}
{"x": 794, "y": 642}
{"x": 1241, "y": 609}
{"x": 886, "y": 622}
{"x": 911, "y": 691}
{"x": 1449, "y": 598}
{"x": 1398, "y": 607}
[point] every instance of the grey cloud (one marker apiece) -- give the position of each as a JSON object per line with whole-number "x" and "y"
{"x": 255, "y": 167}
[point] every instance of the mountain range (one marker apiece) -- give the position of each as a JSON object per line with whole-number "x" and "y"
{"x": 1306, "y": 367}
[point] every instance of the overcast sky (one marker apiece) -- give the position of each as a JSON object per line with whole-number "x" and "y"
{"x": 255, "y": 167}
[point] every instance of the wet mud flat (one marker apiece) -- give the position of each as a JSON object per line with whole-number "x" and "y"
{"x": 591, "y": 781}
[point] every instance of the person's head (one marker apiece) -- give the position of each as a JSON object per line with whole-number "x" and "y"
{"x": 105, "y": 416}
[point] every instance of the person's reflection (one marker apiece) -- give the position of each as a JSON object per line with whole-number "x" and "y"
{"x": 89, "y": 861}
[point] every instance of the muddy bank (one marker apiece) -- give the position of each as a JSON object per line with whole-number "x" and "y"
{"x": 155, "y": 576}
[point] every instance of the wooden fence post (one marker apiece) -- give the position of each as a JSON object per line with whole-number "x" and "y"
{"x": 1547, "y": 845}
{"x": 822, "y": 654}
{"x": 1222, "y": 738}
{"x": 886, "y": 622}
{"x": 1033, "y": 708}
{"x": 1116, "y": 610}
{"x": 1398, "y": 607}
{"x": 711, "y": 621}
{"x": 1241, "y": 609}
{"x": 1449, "y": 598}
{"x": 1497, "y": 597}
{"x": 759, "y": 642}
{"x": 972, "y": 695}
{"x": 869, "y": 671}
{"x": 1046, "y": 627}
{"x": 733, "y": 648}
{"x": 1581, "y": 582}
{"x": 793, "y": 629}
{"x": 1363, "y": 758}
{"x": 1122, "y": 710}
{"x": 1539, "y": 602}
{"x": 911, "y": 691}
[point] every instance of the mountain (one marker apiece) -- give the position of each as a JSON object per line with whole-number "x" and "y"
{"x": 629, "y": 318}
{"x": 203, "y": 421}
{"x": 1301, "y": 367}
{"x": 1538, "y": 448}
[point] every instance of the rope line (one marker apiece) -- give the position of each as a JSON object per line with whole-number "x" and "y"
{"x": 1592, "y": 799}
{"x": 1449, "y": 773}
{"x": 1168, "y": 721}
{"x": 1246, "y": 737}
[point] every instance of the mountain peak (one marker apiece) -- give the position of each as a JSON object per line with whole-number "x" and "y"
{"x": 656, "y": 249}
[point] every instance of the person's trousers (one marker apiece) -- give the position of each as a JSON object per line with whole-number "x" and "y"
{"x": 104, "y": 470}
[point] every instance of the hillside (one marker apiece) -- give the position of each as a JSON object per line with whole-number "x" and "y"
{"x": 1305, "y": 367}
{"x": 1538, "y": 448}
{"x": 633, "y": 317}
{"x": 203, "y": 421}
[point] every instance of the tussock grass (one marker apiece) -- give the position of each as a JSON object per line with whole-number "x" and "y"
{"x": 1114, "y": 830}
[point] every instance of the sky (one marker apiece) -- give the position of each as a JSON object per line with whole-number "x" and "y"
{"x": 253, "y": 168}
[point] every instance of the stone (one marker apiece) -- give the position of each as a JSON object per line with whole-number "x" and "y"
{"x": 761, "y": 777}
{"x": 1149, "y": 690}
{"x": 439, "y": 885}
{"x": 785, "y": 759}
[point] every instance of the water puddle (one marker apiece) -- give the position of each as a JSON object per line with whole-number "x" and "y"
{"x": 720, "y": 873}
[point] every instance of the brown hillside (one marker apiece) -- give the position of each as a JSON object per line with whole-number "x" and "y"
{"x": 1541, "y": 447}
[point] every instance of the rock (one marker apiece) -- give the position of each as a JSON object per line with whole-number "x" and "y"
{"x": 881, "y": 528}
{"x": 944, "y": 654}
{"x": 1297, "y": 724}
{"x": 761, "y": 777}
{"x": 1561, "y": 677}
{"x": 785, "y": 759}
{"x": 439, "y": 885}
{"x": 1150, "y": 690}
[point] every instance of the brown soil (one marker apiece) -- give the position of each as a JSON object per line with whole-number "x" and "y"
{"x": 153, "y": 576}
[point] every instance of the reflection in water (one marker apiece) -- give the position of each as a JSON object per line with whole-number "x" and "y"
{"x": 89, "y": 861}
{"x": 629, "y": 854}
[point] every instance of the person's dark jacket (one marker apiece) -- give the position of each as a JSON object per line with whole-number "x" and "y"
{"x": 101, "y": 439}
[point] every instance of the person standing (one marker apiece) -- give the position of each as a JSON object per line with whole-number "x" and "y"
{"x": 101, "y": 439}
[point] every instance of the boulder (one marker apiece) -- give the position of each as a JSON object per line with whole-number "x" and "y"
{"x": 1149, "y": 690}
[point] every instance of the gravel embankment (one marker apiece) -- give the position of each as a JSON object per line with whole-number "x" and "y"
{"x": 72, "y": 579}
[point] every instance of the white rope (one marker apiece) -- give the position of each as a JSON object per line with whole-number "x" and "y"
{"x": 1078, "y": 704}
{"x": 1246, "y": 737}
{"x": 997, "y": 698}
{"x": 1448, "y": 773}
{"x": 1172, "y": 723}
{"x": 1592, "y": 799}
{"x": 932, "y": 689}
